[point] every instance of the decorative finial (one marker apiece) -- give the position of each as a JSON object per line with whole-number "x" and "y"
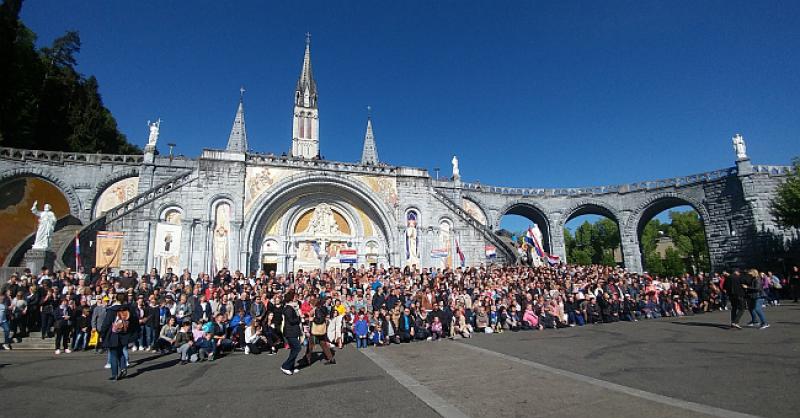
{"x": 241, "y": 93}
{"x": 308, "y": 38}
{"x": 369, "y": 112}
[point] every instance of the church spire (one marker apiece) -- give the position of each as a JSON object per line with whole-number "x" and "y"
{"x": 369, "y": 155}
{"x": 305, "y": 126}
{"x": 237, "y": 141}
{"x": 306, "y": 90}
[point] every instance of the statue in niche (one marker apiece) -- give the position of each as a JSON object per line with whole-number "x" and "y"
{"x": 47, "y": 223}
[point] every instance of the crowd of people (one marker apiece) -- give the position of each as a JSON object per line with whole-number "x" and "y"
{"x": 203, "y": 317}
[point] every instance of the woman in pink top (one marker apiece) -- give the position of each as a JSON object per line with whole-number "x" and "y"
{"x": 530, "y": 317}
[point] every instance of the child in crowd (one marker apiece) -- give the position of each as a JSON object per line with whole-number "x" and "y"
{"x": 377, "y": 337}
{"x": 361, "y": 330}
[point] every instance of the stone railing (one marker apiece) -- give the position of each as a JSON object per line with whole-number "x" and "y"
{"x": 773, "y": 170}
{"x": 149, "y": 196}
{"x": 284, "y": 161}
{"x": 508, "y": 253}
{"x": 88, "y": 233}
{"x": 597, "y": 190}
{"x": 68, "y": 157}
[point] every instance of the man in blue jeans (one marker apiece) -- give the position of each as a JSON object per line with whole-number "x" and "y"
{"x": 120, "y": 327}
{"x": 4, "y": 322}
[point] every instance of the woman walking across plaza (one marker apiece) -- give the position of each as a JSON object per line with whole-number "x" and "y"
{"x": 319, "y": 334}
{"x": 754, "y": 287}
{"x": 291, "y": 332}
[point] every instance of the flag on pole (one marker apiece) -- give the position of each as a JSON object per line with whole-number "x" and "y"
{"x": 348, "y": 256}
{"x": 77, "y": 253}
{"x": 439, "y": 253}
{"x": 460, "y": 254}
{"x": 535, "y": 242}
{"x": 491, "y": 251}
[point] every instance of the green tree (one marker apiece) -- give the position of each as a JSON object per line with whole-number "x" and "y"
{"x": 44, "y": 102}
{"x": 785, "y": 207}
{"x": 673, "y": 263}
{"x": 688, "y": 235}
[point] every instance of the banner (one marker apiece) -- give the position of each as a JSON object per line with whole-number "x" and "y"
{"x": 491, "y": 251}
{"x": 348, "y": 256}
{"x": 439, "y": 253}
{"x": 168, "y": 240}
{"x": 109, "y": 249}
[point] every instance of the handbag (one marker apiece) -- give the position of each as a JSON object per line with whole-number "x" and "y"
{"x": 319, "y": 330}
{"x": 93, "y": 340}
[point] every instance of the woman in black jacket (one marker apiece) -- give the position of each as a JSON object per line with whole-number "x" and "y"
{"x": 291, "y": 332}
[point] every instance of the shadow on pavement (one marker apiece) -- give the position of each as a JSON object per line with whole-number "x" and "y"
{"x": 702, "y": 324}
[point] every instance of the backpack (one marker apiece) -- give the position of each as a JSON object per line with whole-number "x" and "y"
{"x": 121, "y": 322}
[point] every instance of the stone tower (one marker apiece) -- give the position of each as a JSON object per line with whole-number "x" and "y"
{"x": 237, "y": 141}
{"x": 370, "y": 153}
{"x": 305, "y": 127}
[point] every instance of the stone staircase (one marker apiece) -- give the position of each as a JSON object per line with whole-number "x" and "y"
{"x": 88, "y": 233}
{"x": 504, "y": 251}
{"x": 34, "y": 342}
{"x": 64, "y": 242}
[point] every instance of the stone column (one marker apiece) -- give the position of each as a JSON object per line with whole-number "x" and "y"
{"x": 557, "y": 244}
{"x": 631, "y": 252}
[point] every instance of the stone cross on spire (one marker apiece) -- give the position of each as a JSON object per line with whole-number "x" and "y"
{"x": 369, "y": 155}
{"x": 237, "y": 141}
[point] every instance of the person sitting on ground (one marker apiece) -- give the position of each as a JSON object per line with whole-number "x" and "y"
{"x": 529, "y": 319}
{"x": 184, "y": 342}
{"x": 166, "y": 337}
{"x": 460, "y": 327}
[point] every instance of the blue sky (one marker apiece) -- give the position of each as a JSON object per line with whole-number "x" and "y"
{"x": 526, "y": 93}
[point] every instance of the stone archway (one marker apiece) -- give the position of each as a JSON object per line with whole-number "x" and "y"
{"x": 594, "y": 207}
{"x": 645, "y": 211}
{"x": 535, "y": 214}
{"x": 293, "y": 194}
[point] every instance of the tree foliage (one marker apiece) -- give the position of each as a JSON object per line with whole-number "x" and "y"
{"x": 689, "y": 246}
{"x": 593, "y": 243}
{"x": 786, "y": 205}
{"x": 44, "y": 102}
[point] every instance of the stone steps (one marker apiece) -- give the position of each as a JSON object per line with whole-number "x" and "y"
{"x": 34, "y": 342}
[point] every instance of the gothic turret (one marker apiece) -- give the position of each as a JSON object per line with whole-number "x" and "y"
{"x": 305, "y": 127}
{"x": 237, "y": 141}
{"x": 369, "y": 155}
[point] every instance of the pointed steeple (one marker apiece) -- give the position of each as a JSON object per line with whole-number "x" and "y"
{"x": 306, "y": 90}
{"x": 305, "y": 125}
{"x": 369, "y": 155}
{"x": 237, "y": 141}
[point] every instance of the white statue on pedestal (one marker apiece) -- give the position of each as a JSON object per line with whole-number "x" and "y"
{"x": 47, "y": 223}
{"x": 456, "y": 172}
{"x": 154, "y": 127}
{"x": 740, "y": 147}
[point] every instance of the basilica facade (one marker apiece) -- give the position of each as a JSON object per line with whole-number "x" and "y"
{"x": 242, "y": 210}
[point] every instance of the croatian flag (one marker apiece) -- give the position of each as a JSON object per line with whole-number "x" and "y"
{"x": 439, "y": 253}
{"x": 491, "y": 251}
{"x": 77, "y": 253}
{"x": 553, "y": 259}
{"x": 533, "y": 241}
{"x": 460, "y": 254}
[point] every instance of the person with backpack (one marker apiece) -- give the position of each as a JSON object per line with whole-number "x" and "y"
{"x": 120, "y": 327}
{"x": 319, "y": 334}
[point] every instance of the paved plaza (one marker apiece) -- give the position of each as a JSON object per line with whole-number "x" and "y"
{"x": 682, "y": 367}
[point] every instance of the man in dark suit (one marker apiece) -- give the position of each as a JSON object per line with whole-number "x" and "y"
{"x": 736, "y": 295}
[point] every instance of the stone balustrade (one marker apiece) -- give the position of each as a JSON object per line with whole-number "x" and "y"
{"x": 601, "y": 190}
{"x": 68, "y": 157}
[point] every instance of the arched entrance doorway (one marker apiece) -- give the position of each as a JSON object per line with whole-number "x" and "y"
{"x": 516, "y": 219}
{"x": 313, "y": 221}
